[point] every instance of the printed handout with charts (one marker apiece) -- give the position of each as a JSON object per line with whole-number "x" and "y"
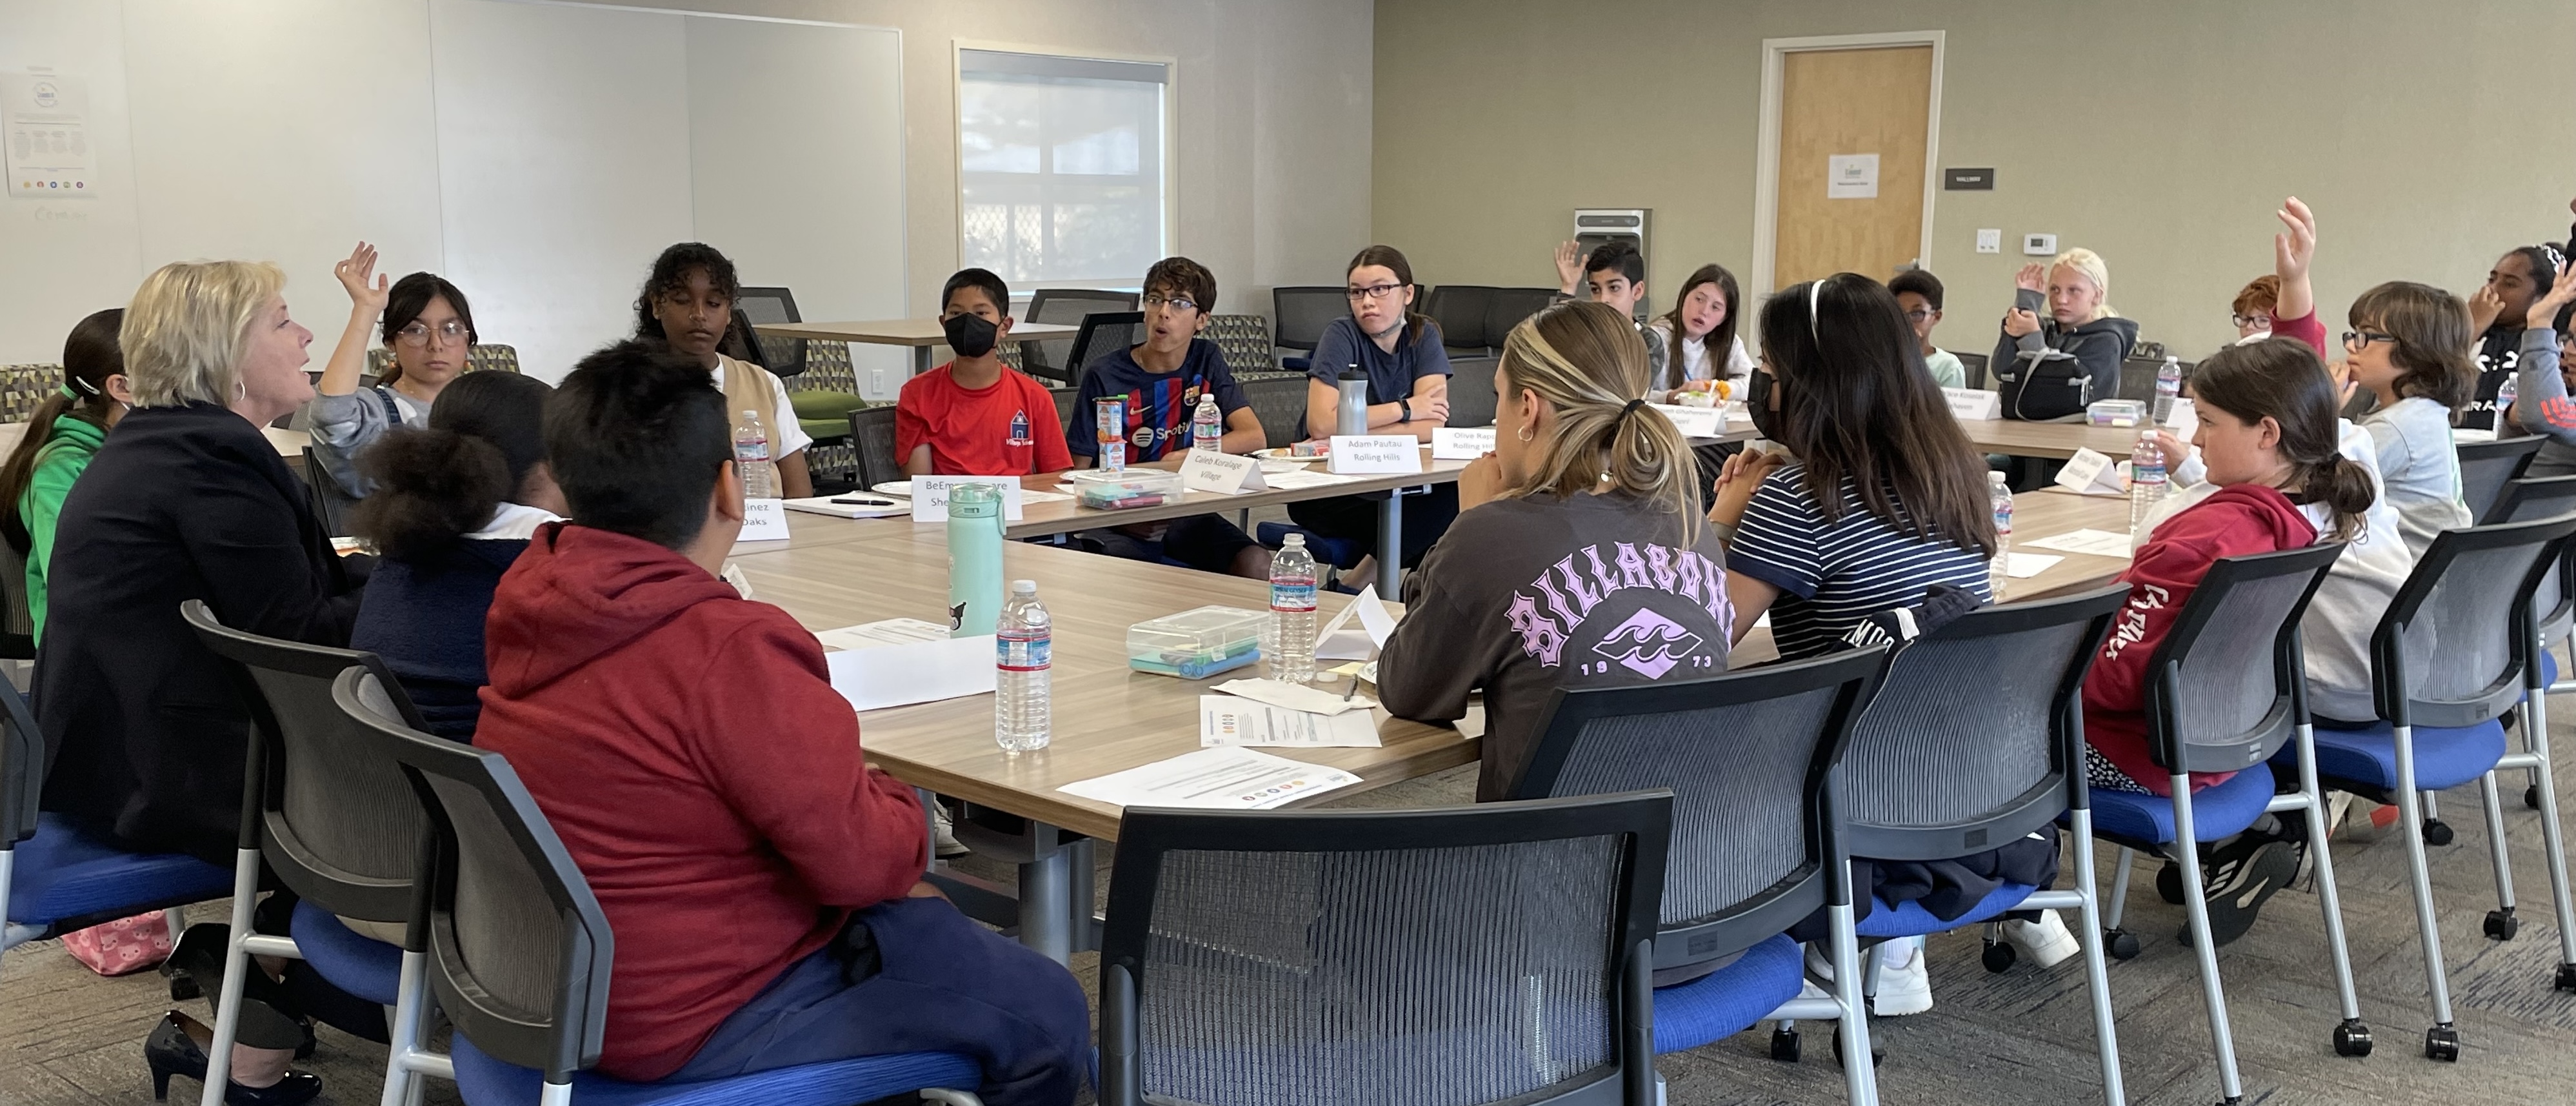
{"x": 1224, "y": 778}
{"x": 1234, "y": 720}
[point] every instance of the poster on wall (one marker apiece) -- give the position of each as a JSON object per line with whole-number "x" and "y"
{"x": 1851, "y": 177}
{"x": 45, "y": 116}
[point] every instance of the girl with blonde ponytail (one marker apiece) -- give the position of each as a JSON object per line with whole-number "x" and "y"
{"x": 1578, "y": 558}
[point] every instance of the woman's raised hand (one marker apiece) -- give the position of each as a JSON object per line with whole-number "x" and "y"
{"x": 353, "y": 274}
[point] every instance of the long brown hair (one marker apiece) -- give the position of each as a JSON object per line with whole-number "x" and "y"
{"x": 2434, "y": 348}
{"x": 1583, "y": 358}
{"x": 90, "y": 356}
{"x": 2282, "y": 379}
{"x": 1415, "y": 322}
{"x": 1861, "y": 406}
{"x": 1717, "y": 342}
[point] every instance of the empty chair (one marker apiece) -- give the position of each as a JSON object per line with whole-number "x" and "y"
{"x": 1471, "y": 391}
{"x": 17, "y": 627}
{"x": 1468, "y": 955}
{"x": 763, "y": 306}
{"x": 1971, "y": 741}
{"x": 1053, "y": 359}
{"x": 1509, "y": 306}
{"x": 1975, "y": 364}
{"x": 1102, "y": 331}
{"x": 518, "y": 951}
{"x": 329, "y": 812}
{"x": 1461, "y": 310}
{"x": 2457, "y": 649}
{"x": 2553, "y": 606}
{"x": 2486, "y": 467}
{"x": 872, "y": 432}
{"x": 1756, "y": 836}
{"x": 1300, "y": 315}
{"x": 1279, "y": 401}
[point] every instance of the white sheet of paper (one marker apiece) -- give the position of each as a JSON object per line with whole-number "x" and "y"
{"x": 1304, "y": 478}
{"x": 873, "y": 505}
{"x": 2088, "y": 541}
{"x": 1851, "y": 177}
{"x": 1376, "y": 453}
{"x": 1974, "y": 403}
{"x": 1297, "y": 697}
{"x": 1694, "y": 422}
{"x": 2023, "y": 566}
{"x": 1450, "y": 443}
{"x": 763, "y": 520}
{"x": 733, "y": 575}
{"x": 1228, "y": 720}
{"x": 930, "y": 495}
{"x": 2089, "y": 472}
{"x": 910, "y": 672}
{"x": 1225, "y": 474}
{"x": 1224, "y": 778}
{"x": 2183, "y": 419}
{"x": 891, "y": 631}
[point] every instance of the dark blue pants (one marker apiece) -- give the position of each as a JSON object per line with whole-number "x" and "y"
{"x": 942, "y": 984}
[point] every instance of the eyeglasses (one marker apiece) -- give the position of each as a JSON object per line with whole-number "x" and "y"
{"x": 2358, "y": 340}
{"x": 1372, "y": 292}
{"x": 417, "y": 334}
{"x": 1176, "y": 303}
{"x": 2257, "y": 322}
{"x": 1917, "y": 317}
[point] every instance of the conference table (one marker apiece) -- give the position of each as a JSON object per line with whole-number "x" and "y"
{"x": 922, "y": 335}
{"x": 289, "y": 443}
{"x": 2054, "y": 440}
{"x": 839, "y": 572}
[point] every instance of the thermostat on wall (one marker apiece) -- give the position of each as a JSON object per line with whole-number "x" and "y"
{"x": 2039, "y": 245}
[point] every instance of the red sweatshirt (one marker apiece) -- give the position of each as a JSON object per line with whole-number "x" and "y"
{"x": 2234, "y": 521}
{"x": 689, "y": 749}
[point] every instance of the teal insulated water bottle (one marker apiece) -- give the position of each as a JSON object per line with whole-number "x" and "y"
{"x": 974, "y": 559}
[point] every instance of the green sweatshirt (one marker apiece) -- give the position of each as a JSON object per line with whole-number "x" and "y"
{"x": 65, "y": 454}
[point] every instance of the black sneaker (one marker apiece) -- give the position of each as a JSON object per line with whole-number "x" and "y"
{"x": 2243, "y": 872}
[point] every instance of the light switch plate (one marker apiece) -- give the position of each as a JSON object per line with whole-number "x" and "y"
{"x": 2039, "y": 245}
{"x": 1990, "y": 240}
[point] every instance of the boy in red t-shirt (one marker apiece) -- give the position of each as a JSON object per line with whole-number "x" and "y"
{"x": 976, "y": 416}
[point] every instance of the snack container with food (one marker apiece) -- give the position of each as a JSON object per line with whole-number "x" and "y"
{"x": 2115, "y": 412}
{"x": 1126, "y": 489}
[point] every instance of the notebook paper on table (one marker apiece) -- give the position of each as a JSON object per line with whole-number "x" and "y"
{"x": 1225, "y": 778}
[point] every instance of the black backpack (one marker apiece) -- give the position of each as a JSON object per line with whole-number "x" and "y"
{"x": 2043, "y": 384}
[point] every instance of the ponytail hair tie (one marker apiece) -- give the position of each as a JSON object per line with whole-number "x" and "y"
{"x": 1631, "y": 408}
{"x": 68, "y": 393}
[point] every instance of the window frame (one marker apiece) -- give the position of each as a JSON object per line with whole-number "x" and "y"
{"x": 1168, "y": 220}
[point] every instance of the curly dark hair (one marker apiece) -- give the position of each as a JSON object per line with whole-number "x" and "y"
{"x": 671, "y": 274}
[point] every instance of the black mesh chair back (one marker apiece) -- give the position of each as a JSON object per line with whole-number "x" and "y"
{"x": 1747, "y": 757}
{"x": 1279, "y": 401}
{"x": 742, "y": 342}
{"x": 2226, "y": 687}
{"x": 331, "y": 503}
{"x": 1462, "y": 956}
{"x": 518, "y": 948}
{"x": 1102, "y": 332}
{"x": 1974, "y": 735}
{"x": 1299, "y": 315}
{"x": 1064, "y": 399}
{"x": 1975, "y": 364}
{"x": 872, "y": 432}
{"x": 22, "y": 772}
{"x": 1053, "y": 359}
{"x": 1471, "y": 391}
{"x": 17, "y": 627}
{"x": 763, "y": 306}
{"x": 2452, "y": 647}
{"x": 1511, "y": 305}
{"x": 1460, "y": 309}
{"x": 2528, "y": 500}
{"x": 2486, "y": 467}
{"x": 323, "y": 800}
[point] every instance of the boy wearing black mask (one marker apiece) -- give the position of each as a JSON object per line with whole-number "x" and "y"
{"x": 976, "y": 416}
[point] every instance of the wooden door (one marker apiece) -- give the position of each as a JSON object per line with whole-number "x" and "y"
{"x": 1838, "y": 104}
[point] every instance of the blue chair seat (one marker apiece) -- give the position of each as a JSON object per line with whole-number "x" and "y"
{"x": 2216, "y": 812}
{"x": 1729, "y": 1000}
{"x": 1338, "y": 552}
{"x": 484, "y": 1081}
{"x": 361, "y": 965}
{"x": 62, "y": 873}
{"x": 2444, "y": 756}
{"x": 1909, "y": 919}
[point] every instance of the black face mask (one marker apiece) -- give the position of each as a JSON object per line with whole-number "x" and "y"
{"x": 1757, "y": 404}
{"x": 971, "y": 335}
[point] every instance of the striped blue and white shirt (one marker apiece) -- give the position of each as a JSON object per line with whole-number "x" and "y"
{"x": 1831, "y": 576}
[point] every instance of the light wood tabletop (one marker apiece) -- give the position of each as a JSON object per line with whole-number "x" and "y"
{"x": 1107, "y": 717}
{"x": 907, "y": 332}
{"x": 2053, "y": 511}
{"x": 2058, "y": 440}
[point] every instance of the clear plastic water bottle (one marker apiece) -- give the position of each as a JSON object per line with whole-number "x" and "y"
{"x": 1207, "y": 426}
{"x": 1291, "y": 647}
{"x": 1022, "y": 640}
{"x": 2146, "y": 478}
{"x": 2168, "y": 387}
{"x": 751, "y": 458}
{"x": 1999, "y": 494}
{"x": 2505, "y": 391}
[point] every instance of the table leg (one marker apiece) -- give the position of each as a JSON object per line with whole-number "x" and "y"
{"x": 920, "y": 360}
{"x": 1390, "y": 546}
{"x": 1046, "y": 900}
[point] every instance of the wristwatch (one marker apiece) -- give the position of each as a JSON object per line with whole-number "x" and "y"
{"x": 1406, "y": 406}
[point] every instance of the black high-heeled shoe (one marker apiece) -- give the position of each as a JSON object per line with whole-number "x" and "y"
{"x": 173, "y": 1050}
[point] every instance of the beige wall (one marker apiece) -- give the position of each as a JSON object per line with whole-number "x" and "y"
{"x": 2428, "y": 136}
{"x": 1270, "y": 139}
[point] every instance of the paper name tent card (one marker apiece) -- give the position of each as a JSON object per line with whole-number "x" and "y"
{"x": 2092, "y": 473}
{"x": 1222, "y": 778}
{"x": 1338, "y": 641}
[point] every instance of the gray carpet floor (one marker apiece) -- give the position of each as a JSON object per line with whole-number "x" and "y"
{"x": 2024, "y": 1036}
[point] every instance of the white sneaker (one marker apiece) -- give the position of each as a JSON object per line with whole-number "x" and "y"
{"x": 944, "y": 839}
{"x": 1904, "y": 987}
{"x": 2044, "y": 943}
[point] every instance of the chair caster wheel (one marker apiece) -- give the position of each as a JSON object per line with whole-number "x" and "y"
{"x": 2437, "y": 832}
{"x": 183, "y": 987}
{"x": 2442, "y": 1043}
{"x": 2567, "y": 977}
{"x": 2352, "y": 1039}
{"x": 1877, "y": 1055}
{"x": 2501, "y": 924}
{"x": 2531, "y": 796}
{"x": 1784, "y": 1045}
{"x": 1999, "y": 956}
{"x": 2120, "y": 943}
{"x": 2169, "y": 883}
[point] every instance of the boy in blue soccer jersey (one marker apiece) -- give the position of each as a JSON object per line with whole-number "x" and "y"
{"x": 1161, "y": 381}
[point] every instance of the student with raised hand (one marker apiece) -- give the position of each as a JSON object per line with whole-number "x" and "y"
{"x": 428, "y": 327}
{"x": 687, "y": 304}
{"x": 976, "y": 416}
{"x": 2497, "y": 312}
{"x": 1614, "y": 273}
{"x": 62, "y": 435}
{"x": 1918, "y": 294}
{"x": 2409, "y": 347}
{"x": 455, "y": 504}
{"x": 1159, "y": 382}
{"x": 2074, "y": 288}
{"x": 1698, "y": 336}
{"x": 762, "y": 880}
{"x": 2547, "y": 355}
{"x": 1585, "y": 486}
{"x": 1876, "y": 495}
{"x": 1399, "y": 352}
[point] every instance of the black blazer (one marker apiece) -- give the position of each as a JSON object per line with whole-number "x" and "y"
{"x": 145, "y": 729}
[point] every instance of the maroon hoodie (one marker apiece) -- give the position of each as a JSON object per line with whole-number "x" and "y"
{"x": 689, "y": 749}
{"x": 2234, "y": 521}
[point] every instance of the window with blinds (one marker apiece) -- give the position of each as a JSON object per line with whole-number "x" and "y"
{"x": 1061, "y": 167}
